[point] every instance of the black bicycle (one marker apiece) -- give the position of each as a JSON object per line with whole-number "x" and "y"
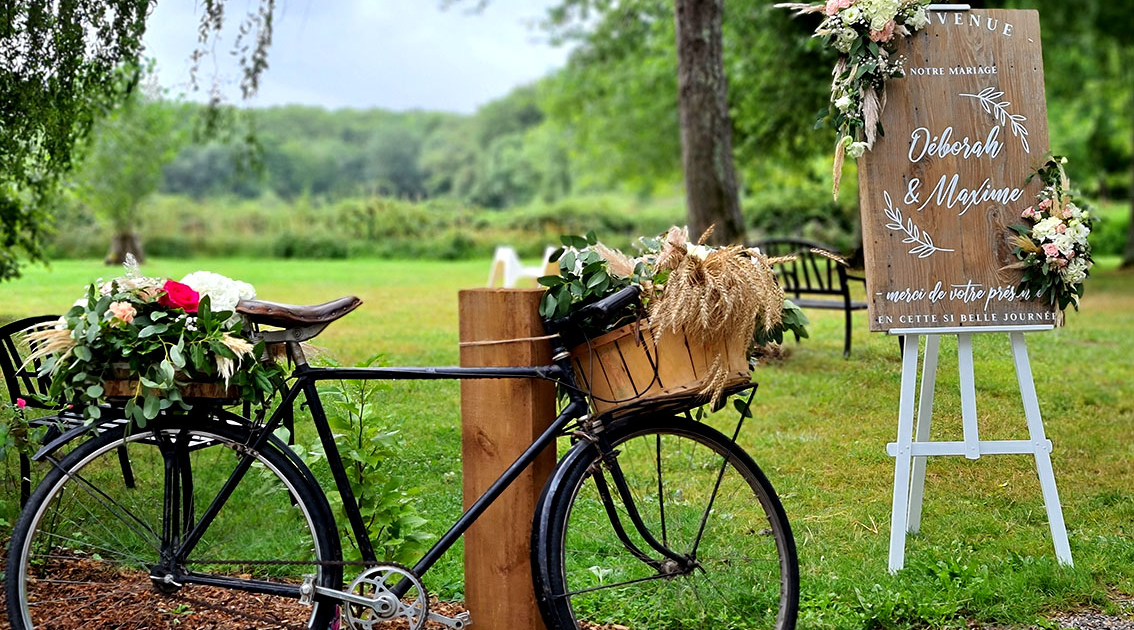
{"x": 651, "y": 520}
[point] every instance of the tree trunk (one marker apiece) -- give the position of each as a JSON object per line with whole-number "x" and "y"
{"x": 125, "y": 243}
{"x": 706, "y": 129}
{"x": 1128, "y": 256}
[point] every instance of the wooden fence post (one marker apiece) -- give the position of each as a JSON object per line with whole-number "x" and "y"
{"x": 499, "y": 419}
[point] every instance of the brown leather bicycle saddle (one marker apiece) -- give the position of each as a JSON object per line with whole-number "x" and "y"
{"x": 292, "y": 316}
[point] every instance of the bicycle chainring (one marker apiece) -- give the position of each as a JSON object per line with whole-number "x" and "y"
{"x": 376, "y": 584}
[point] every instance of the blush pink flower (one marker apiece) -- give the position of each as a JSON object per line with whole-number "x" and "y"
{"x": 1061, "y": 228}
{"x": 833, "y": 6}
{"x": 122, "y": 311}
{"x": 1028, "y": 212}
{"x": 1051, "y": 250}
{"x": 1067, "y": 212}
{"x": 1045, "y": 204}
{"x": 883, "y": 35}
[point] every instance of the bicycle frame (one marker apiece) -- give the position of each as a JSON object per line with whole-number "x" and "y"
{"x": 306, "y": 381}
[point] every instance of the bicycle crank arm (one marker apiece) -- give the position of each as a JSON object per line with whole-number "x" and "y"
{"x": 459, "y": 622}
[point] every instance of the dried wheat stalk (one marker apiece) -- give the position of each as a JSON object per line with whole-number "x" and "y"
{"x": 715, "y": 299}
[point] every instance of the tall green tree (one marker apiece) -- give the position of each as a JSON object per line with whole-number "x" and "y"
{"x": 62, "y": 65}
{"x": 124, "y": 166}
{"x": 59, "y": 70}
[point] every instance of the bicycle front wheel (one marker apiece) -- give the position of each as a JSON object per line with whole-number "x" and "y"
{"x": 711, "y": 548}
{"x": 96, "y": 546}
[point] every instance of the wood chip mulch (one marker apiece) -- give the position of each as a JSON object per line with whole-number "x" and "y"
{"x": 135, "y": 605}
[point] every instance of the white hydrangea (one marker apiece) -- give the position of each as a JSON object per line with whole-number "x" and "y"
{"x": 879, "y": 12}
{"x": 223, "y": 292}
{"x": 1045, "y": 228}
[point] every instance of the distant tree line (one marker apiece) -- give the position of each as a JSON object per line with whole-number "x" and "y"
{"x": 502, "y": 156}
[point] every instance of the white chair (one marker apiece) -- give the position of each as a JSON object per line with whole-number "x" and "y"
{"x": 507, "y": 270}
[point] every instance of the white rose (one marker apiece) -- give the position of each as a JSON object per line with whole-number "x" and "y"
{"x": 1065, "y": 242}
{"x": 851, "y": 15}
{"x": 843, "y": 102}
{"x": 844, "y": 39}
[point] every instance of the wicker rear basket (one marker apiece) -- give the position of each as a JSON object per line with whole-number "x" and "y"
{"x": 125, "y": 385}
{"x": 620, "y": 366}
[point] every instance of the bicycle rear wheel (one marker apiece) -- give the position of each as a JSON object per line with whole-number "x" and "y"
{"x": 93, "y": 548}
{"x": 732, "y": 561}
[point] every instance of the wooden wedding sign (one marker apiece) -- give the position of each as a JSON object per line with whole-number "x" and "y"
{"x": 964, "y": 129}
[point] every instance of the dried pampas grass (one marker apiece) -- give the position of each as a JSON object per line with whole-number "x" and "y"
{"x": 871, "y": 113}
{"x": 47, "y": 341}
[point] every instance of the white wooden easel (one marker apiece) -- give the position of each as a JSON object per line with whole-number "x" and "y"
{"x": 912, "y": 449}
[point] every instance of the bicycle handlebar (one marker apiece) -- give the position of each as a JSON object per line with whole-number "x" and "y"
{"x": 601, "y": 310}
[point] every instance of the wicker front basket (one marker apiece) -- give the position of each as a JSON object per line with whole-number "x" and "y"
{"x": 620, "y": 366}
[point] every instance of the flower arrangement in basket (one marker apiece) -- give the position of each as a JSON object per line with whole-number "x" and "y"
{"x": 708, "y": 311}
{"x": 1052, "y": 246}
{"x": 156, "y": 343}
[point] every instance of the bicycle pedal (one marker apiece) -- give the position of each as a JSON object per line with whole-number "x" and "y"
{"x": 458, "y": 622}
{"x": 307, "y": 590}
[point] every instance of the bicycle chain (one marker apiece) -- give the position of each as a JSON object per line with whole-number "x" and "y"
{"x": 323, "y": 563}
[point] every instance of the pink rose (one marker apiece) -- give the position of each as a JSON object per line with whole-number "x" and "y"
{"x": 883, "y": 35}
{"x": 833, "y": 6}
{"x": 1045, "y": 204}
{"x": 1067, "y": 213}
{"x": 1051, "y": 250}
{"x": 1057, "y": 262}
{"x": 122, "y": 311}
{"x": 21, "y": 403}
{"x": 179, "y": 295}
{"x": 1028, "y": 212}
{"x": 1061, "y": 228}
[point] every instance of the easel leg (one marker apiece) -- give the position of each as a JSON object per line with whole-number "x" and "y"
{"x": 968, "y": 395}
{"x": 1042, "y": 449}
{"x": 901, "y": 498}
{"x": 924, "y": 420}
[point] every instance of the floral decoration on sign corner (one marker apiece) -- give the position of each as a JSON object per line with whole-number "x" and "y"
{"x": 865, "y": 33}
{"x": 1052, "y": 246}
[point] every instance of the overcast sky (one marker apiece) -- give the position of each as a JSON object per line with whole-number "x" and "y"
{"x": 395, "y": 54}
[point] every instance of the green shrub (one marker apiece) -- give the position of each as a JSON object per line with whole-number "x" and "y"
{"x": 1108, "y": 238}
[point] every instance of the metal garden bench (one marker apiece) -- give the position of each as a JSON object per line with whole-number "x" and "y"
{"x": 823, "y": 280}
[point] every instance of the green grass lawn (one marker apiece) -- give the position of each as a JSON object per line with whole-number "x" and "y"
{"x": 984, "y": 553}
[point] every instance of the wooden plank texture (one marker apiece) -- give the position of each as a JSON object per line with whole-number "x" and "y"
{"x": 499, "y": 419}
{"x": 964, "y": 130}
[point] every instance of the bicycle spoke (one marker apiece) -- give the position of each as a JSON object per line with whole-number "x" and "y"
{"x": 105, "y": 501}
